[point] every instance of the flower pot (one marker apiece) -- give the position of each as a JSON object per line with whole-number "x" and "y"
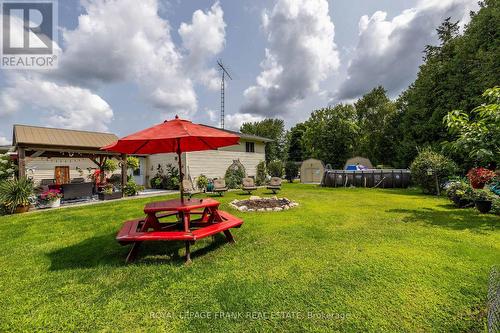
{"x": 21, "y": 209}
{"x": 461, "y": 203}
{"x": 109, "y": 196}
{"x": 483, "y": 206}
{"x": 51, "y": 204}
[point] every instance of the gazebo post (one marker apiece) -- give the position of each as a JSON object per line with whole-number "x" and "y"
{"x": 124, "y": 173}
{"x": 21, "y": 162}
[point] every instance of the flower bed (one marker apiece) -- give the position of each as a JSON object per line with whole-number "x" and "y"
{"x": 258, "y": 204}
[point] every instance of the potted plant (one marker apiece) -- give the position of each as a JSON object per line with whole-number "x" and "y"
{"x": 109, "y": 193}
{"x": 202, "y": 182}
{"x": 483, "y": 200}
{"x": 49, "y": 199}
{"x": 478, "y": 177}
{"x": 460, "y": 192}
{"x": 16, "y": 194}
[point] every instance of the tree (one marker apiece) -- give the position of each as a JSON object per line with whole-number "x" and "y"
{"x": 273, "y": 129}
{"x": 453, "y": 76}
{"x": 477, "y": 135}
{"x": 295, "y": 146}
{"x": 331, "y": 133}
{"x": 374, "y": 115}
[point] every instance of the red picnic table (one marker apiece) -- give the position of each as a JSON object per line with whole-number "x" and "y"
{"x": 210, "y": 221}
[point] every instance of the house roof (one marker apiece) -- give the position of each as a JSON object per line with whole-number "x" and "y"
{"x": 24, "y": 135}
{"x": 245, "y": 136}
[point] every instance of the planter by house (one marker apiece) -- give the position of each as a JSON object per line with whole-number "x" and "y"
{"x": 110, "y": 196}
{"x": 483, "y": 206}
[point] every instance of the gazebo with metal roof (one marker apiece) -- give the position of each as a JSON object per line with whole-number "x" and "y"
{"x": 34, "y": 141}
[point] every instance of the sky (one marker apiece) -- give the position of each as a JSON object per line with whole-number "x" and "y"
{"x": 125, "y": 65}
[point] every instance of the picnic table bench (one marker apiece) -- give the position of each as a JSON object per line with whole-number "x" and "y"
{"x": 211, "y": 221}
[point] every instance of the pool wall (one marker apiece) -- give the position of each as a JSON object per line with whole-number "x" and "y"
{"x": 382, "y": 178}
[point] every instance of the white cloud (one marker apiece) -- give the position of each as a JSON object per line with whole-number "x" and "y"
{"x": 301, "y": 54}
{"x": 234, "y": 121}
{"x": 59, "y": 105}
{"x": 203, "y": 39}
{"x": 389, "y": 51}
{"x": 121, "y": 41}
{"x": 4, "y": 141}
{"x": 126, "y": 40}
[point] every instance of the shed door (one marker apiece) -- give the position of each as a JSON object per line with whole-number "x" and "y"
{"x": 316, "y": 175}
{"x": 61, "y": 175}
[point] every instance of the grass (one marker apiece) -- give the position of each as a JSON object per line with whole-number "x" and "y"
{"x": 344, "y": 260}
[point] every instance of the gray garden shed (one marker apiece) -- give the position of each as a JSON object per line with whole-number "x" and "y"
{"x": 311, "y": 171}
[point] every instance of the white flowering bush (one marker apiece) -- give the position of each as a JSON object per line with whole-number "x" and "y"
{"x": 7, "y": 167}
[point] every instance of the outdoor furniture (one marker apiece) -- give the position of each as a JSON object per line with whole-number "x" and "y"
{"x": 176, "y": 136}
{"x": 274, "y": 184}
{"x": 248, "y": 185}
{"x": 77, "y": 191}
{"x": 47, "y": 182}
{"x": 220, "y": 186}
{"x": 210, "y": 221}
{"x": 189, "y": 189}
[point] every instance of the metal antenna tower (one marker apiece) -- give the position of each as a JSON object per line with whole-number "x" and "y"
{"x": 225, "y": 73}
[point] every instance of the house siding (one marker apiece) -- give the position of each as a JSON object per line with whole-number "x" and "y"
{"x": 214, "y": 163}
{"x": 43, "y": 168}
{"x": 211, "y": 163}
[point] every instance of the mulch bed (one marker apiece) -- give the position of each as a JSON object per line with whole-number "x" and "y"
{"x": 263, "y": 203}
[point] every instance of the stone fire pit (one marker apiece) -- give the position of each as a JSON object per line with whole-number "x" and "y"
{"x": 258, "y": 204}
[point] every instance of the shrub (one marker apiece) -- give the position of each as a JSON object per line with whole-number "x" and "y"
{"x": 16, "y": 192}
{"x": 261, "y": 174}
{"x": 202, "y": 182}
{"x": 7, "y": 167}
{"x": 461, "y": 193}
{"x": 478, "y": 177}
{"x": 132, "y": 188}
{"x": 275, "y": 168}
{"x": 234, "y": 175}
{"x": 156, "y": 182}
{"x": 291, "y": 171}
{"x": 483, "y": 195}
{"x": 495, "y": 205}
{"x": 168, "y": 180}
{"x": 171, "y": 178}
{"x": 430, "y": 165}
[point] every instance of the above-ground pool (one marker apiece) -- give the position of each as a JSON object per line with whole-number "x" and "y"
{"x": 383, "y": 178}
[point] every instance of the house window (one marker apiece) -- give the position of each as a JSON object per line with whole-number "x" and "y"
{"x": 250, "y": 147}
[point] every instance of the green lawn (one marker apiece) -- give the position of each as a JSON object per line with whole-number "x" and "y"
{"x": 345, "y": 259}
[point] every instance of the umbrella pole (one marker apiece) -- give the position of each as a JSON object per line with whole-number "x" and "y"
{"x": 181, "y": 174}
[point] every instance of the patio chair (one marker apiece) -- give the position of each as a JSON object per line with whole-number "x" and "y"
{"x": 248, "y": 185}
{"x": 220, "y": 186}
{"x": 188, "y": 187}
{"x": 274, "y": 184}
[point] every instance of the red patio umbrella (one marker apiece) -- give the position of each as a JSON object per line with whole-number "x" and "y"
{"x": 174, "y": 136}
